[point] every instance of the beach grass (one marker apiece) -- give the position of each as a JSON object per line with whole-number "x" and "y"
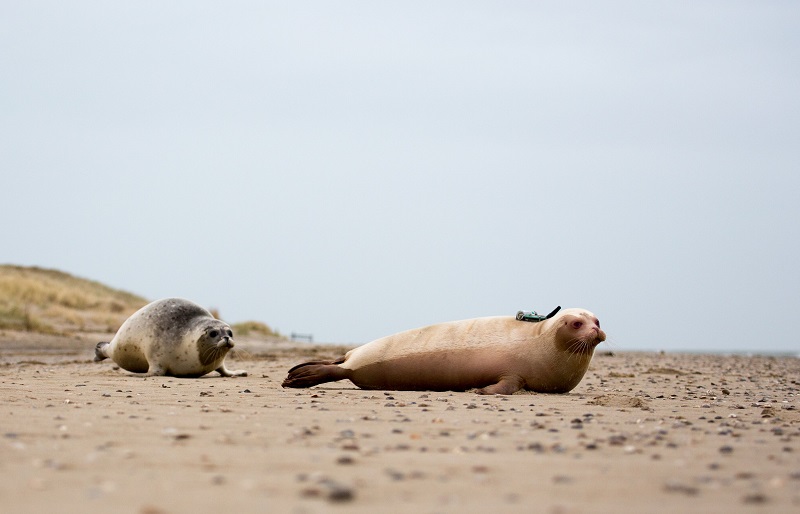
{"x": 49, "y": 301}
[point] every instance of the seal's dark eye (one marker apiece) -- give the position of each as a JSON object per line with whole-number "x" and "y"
{"x": 577, "y": 324}
{"x": 213, "y": 333}
{"x": 230, "y": 334}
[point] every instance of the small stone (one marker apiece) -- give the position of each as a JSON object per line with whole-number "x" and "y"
{"x": 311, "y": 492}
{"x": 395, "y": 475}
{"x": 339, "y": 493}
{"x": 617, "y": 440}
{"x": 537, "y": 447}
{"x": 755, "y": 499}
{"x": 676, "y": 487}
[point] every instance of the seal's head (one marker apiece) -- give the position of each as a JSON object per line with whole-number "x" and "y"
{"x": 214, "y": 341}
{"x": 578, "y": 331}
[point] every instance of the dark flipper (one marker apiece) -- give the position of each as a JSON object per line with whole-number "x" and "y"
{"x": 312, "y": 373}
{"x": 98, "y": 353}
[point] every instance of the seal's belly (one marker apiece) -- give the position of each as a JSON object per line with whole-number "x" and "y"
{"x": 190, "y": 367}
{"x": 436, "y": 371}
{"x": 130, "y": 357}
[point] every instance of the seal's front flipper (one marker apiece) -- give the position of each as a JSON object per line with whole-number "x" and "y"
{"x": 228, "y": 373}
{"x": 100, "y": 352}
{"x": 506, "y": 385}
{"x": 312, "y": 373}
{"x": 155, "y": 371}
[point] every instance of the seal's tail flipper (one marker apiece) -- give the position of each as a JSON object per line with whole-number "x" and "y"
{"x": 312, "y": 373}
{"x": 100, "y": 352}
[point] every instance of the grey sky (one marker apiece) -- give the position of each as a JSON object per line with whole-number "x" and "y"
{"x": 355, "y": 169}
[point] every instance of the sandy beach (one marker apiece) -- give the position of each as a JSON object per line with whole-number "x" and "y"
{"x": 643, "y": 432}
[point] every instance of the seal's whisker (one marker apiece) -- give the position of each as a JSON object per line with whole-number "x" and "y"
{"x": 207, "y": 353}
{"x": 579, "y": 347}
{"x": 611, "y": 344}
{"x": 214, "y": 353}
{"x": 238, "y": 352}
{"x": 576, "y": 346}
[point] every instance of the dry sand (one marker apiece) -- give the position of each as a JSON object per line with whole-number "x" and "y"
{"x": 642, "y": 433}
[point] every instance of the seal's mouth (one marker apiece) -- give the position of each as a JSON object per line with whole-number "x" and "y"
{"x": 225, "y": 342}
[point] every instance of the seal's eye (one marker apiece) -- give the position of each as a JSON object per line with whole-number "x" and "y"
{"x": 577, "y": 324}
{"x": 213, "y": 333}
{"x": 230, "y": 334}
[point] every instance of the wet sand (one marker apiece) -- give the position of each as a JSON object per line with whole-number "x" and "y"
{"x": 642, "y": 433}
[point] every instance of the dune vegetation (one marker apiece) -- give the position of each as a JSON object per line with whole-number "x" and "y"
{"x": 254, "y": 329}
{"x": 53, "y": 302}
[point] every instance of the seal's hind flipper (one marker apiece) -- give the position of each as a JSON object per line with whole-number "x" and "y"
{"x": 309, "y": 363}
{"x": 312, "y": 373}
{"x": 99, "y": 352}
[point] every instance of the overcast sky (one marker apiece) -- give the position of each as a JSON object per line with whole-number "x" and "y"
{"x": 353, "y": 169}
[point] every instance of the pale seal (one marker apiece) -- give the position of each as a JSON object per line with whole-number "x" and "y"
{"x": 172, "y": 337}
{"x": 498, "y": 355}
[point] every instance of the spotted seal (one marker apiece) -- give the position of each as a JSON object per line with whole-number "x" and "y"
{"x": 172, "y": 337}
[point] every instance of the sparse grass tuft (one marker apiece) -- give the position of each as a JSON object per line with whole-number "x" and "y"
{"x": 246, "y": 328}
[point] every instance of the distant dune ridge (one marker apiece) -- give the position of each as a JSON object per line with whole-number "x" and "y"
{"x": 48, "y": 301}
{"x": 51, "y": 301}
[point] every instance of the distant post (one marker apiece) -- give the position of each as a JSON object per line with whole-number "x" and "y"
{"x": 305, "y": 337}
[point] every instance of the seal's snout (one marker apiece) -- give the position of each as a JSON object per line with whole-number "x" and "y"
{"x": 600, "y": 336}
{"x": 226, "y": 342}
